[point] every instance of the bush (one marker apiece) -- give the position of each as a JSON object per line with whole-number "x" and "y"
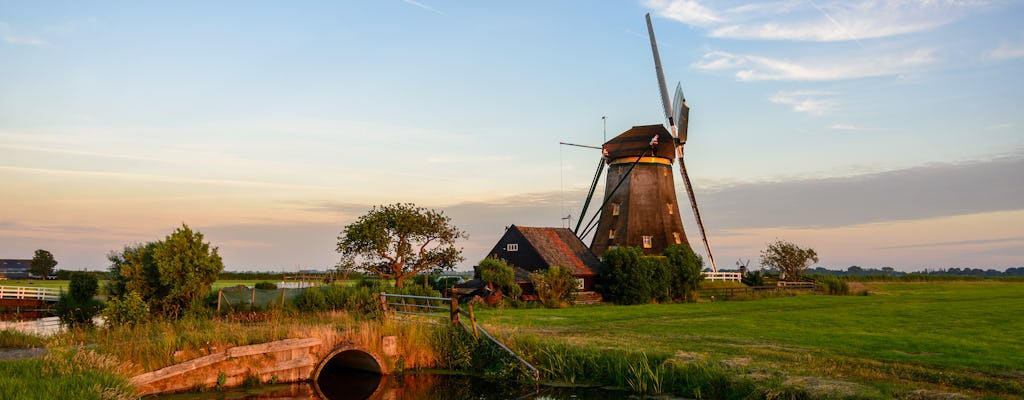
{"x": 834, "y": 285}
{"x": 556, "y": 287}
{"x": 265, "y": 285}
{"x": 753, "y": 278}
{"x": 625, "y": 280}
{"x": 129, "y": 310}
{"x": 684, "y": 272}
{"x": 78, "y": 306}
{"x": 498, "y": 275}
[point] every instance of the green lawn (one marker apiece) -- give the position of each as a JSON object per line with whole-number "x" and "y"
{"x": 36, "y": 283}
{"x": 958, "y": 336}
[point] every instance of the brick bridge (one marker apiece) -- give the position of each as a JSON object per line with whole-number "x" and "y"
{"x": 283, "y": 361}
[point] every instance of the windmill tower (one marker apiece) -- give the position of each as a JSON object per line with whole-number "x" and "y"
{"x": 640, "y": 207}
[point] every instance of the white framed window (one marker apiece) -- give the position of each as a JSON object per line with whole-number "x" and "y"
{"x": 615, "y": 208}
{"x": 648, "y": 242}
{"x": 676, "y": 236}
{"x": 611, "y": 234}
{"x": 579, "y": 284}
{"x": 512, "y": 247}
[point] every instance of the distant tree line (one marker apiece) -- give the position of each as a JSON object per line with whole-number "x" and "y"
{"x": 889, "y": 271}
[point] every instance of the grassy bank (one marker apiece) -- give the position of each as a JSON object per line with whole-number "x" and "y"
{"x": 906, "y": 337}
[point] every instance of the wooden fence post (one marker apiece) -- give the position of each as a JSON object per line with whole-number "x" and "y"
{"x": 472, "y": 321}
{"x": 219, "y": 294}
{"x": 384, "y": 302}
{"x": 455, "y": 309}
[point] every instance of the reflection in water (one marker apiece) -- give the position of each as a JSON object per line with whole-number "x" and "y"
{"x": 359, "y": 386}
{"x": 346, "y": 383}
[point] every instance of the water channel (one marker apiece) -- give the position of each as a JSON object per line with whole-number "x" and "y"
{"x": 359, "y": 385}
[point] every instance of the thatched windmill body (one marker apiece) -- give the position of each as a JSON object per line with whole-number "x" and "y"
{"x": 639, "y": 207}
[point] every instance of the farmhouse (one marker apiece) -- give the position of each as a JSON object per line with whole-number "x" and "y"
{"x": 530, "y": 249}
{"x": 17, "y": 269}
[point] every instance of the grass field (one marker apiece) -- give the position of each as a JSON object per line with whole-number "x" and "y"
{"x": 942, "y": 337}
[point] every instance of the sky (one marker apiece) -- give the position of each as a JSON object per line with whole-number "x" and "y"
{"x": 879, "y": 133}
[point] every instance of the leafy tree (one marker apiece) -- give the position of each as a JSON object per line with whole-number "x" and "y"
{"x": 172, "y": 276}
{"x": 400, "y": 240}
{"x": 42, "y": 263}
{"x": 555, "y": 287}
{"x": 685, "y": 272}
{"x": 78, "y": 306}
{"x": 498, "y": 275}
{"x": 791, "y": 260}
{"x": 625, "y": 280}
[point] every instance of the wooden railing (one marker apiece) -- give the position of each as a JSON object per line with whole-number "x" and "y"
{"x": 435, "y": 307}
{"x": 29, "y": 293}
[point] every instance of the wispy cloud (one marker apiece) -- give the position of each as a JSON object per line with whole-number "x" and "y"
{"x": 1007, "y": 125}
{"x": 758, "y": 68}
{"x": 689, "y": 12}
{"x": 845, "y": 127}
{"x": 153, "y": 177}
{"x": 423, "y": 6}
{"x": 11, "y": 37}
{"x": 1006, "y": 51}
{"x": 805, "y": 101}
{"x": 821, "y": 21}
{"x": 955, "y": 243}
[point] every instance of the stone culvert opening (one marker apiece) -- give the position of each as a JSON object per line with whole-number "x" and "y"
{"x": 349, "y": 372}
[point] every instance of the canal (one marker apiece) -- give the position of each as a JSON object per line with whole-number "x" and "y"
{"x": 355, "y": 385}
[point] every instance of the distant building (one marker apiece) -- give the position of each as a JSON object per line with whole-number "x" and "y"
{"x": 530, "y": 249}
{"x": 15, "y": 269}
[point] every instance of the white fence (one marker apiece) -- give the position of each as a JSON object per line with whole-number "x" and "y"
{"x": 29, "y": 293}
{"x": 722, "y": 276}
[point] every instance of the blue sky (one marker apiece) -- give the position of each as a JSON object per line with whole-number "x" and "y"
{"x": 878, "y": 133}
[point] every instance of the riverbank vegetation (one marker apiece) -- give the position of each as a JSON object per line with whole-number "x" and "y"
{"x": 906, "y": 340}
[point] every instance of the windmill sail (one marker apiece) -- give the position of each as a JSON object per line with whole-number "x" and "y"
{"x": 681, "y": 113}
{"x": 680, "y": 117}
{"x": 662, "y": 87}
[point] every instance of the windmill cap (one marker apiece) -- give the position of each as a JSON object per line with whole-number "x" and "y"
{"x": 637, "y": 140}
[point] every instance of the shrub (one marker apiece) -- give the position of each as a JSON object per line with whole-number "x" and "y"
{"x": 78, "y": 306}
{"x": 684, "y": 272}
{"x": 129, "y": 310}
{"x": 498, "y": 275}
{"x": 265, "y": 285}
{"x": 556, "y": 287}
{"x": 834, "y": 285}
{"x": 753, "y": 278}
{"x": 625, "y": 280}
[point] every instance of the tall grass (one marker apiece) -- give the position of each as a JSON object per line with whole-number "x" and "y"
{"x": 65, "y": 373}
{"x": 12, "y": 339}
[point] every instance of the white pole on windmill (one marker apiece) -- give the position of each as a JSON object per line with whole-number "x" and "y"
{"x": 680, "y": 117}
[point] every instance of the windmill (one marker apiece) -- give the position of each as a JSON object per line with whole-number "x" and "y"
{"x": 639, "y": 207}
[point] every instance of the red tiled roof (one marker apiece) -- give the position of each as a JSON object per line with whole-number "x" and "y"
{"x": 559, "y": 246}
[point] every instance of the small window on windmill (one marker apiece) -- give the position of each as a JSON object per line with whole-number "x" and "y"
{"x": 676, "y": 236}
{"x": 615, "y": 208}
{"x": 580, "y": 285}
{"x": 664, "y": 172}
{"x": 611, "y": 234}
{"x": 648, "y": 241}
{"x": 512, "y": 247}
{"x": 669, "y": 206}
